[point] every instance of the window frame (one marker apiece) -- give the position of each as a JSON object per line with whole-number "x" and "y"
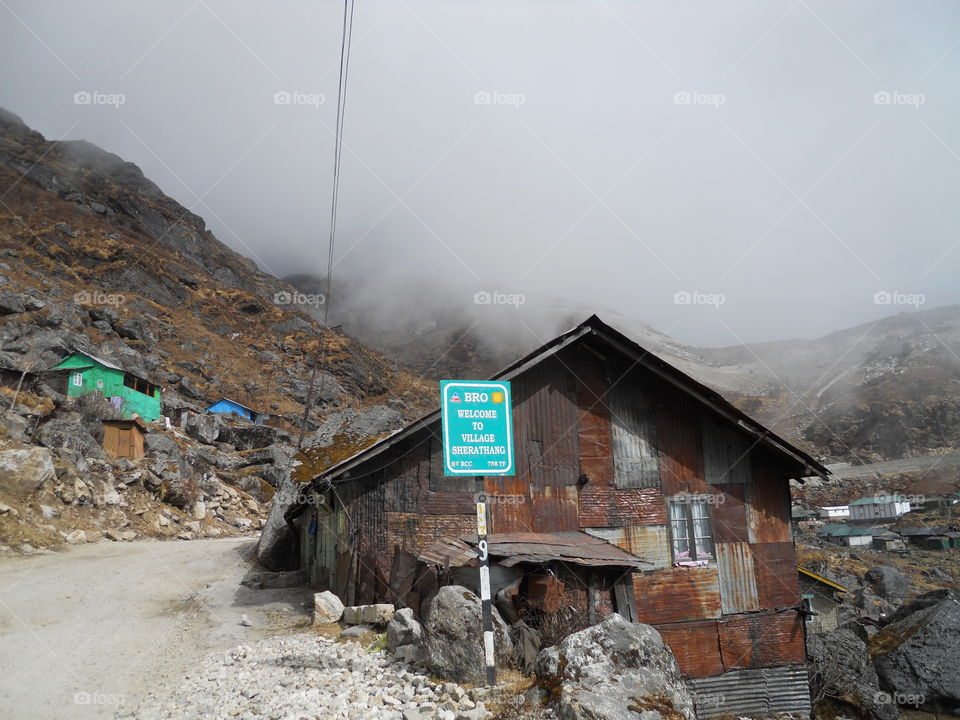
{"x": 695, "y": 541}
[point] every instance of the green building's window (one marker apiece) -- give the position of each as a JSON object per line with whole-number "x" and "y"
{"x": 139, "y": 384}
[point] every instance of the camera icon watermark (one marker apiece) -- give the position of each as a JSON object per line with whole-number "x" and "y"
{"x": 895, "y": 97}
{"x": 498, "y": 499}
{"x": 695, "y": 297}
{"x": 98, "y": 698}
{"x": 914, "y": 700}
{"x": 895, "y": 297}
{"x": 696, "y": 97}
{"x": 96, "y": 97}
{"x": 283, "y": 297}
{"x": 98, "y": 297}
{"x": 298, "y": 97}
{"x": 483, "y": 297}
{"x": 495, "y": 97}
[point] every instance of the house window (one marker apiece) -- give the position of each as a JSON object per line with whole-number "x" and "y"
{"x": 138, "y": 384}
{"x": 691, "y": 531}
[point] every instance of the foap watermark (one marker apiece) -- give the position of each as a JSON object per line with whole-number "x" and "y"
{"x": 98, "y": 698}
{"x": 914, "y": 700}
{"x": 97, "y": 297}
{"x": 709, "y": 701}
{"x": 482, "y": 297}
{"x": 298, "y": 97}
{"x": 695, "y": 297}
{"x": 282, "y": 297}
{"x": 97, "y": 97}
{"x": 896, "y": 297}
{"x": 498, "y": 499}
{"x": 485, "y": 97}
{"x": 895, "y": 97}
{"x": 696, "y": 97}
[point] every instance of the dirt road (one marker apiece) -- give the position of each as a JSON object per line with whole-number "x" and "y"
{"x": 86, "y": 631}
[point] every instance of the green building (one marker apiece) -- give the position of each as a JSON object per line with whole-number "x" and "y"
{"x": 82, "y": 374}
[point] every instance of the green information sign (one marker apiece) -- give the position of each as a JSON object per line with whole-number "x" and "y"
{"x": 477, "y": 427}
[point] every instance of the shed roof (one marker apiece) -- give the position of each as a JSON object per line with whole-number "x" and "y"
{"x": 840, "y": 530}
{"x": 877, "y": 499}
{"x": 594, "y": 327}
{"x": 820, "y": 578}
{"x": 574, "y": 546}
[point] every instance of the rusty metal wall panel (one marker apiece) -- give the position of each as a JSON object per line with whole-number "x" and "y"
{"x": 605, "y": 506}
{"x": 776, "y": 568}
{"x": 438, "y": 481}
{"x": 555, "y": 508}
{"x": 765, "y": 639}
{"x": 414, "y": 532}
{"x": 545, "y": 424}
{"x": 729, "y": 513}
{"x": 677, "y": 594}
{"x": 511, "y": 506}
{"x": 634, "y": 431}
{"x": 753, "y": 693}
{"x": 769, "y": 513}
{"x": 726, "y": 453}
{"x": 596, "y": 455}
{"x": 738, "y": 585}
{"x": 647, "y": 542}
{"x": 696, "y": 645}
{"x": 680, "y": 443}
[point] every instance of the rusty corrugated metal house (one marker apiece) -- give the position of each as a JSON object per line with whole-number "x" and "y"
{"x": 637, "y": 490}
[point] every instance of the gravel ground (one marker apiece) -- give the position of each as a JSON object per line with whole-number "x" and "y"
{"x": 304, "y": 675}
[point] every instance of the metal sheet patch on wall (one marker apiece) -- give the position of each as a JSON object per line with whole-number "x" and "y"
{"x": 738, "y": 585}
{"x": 760, "y": 692}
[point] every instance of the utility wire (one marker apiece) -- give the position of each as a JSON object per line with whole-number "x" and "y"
{"x": 346, "y": 40}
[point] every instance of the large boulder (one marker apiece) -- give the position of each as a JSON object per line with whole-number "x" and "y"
{"x": 205, "y": 428}
{"x": 616, "y": 670}
{"x": 842, "y": 678}
{"x": 67, "y": 430}
{"x": 454, "y": 636}
{"x": 888, "y": 582}
{"x": 917, "y": 652}
{"x": 247, "y": 436}
{"x": 25, "y": 470}
{"x": 277, "y": 545}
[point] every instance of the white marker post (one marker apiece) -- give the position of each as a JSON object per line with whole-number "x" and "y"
{"x": 486, "y": 603}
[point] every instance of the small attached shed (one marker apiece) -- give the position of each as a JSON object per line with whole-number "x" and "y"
{"x": 820, "y": 594}
{"x": 124, "y": 438}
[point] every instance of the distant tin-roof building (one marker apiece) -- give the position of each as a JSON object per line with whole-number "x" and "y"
{"x": 226, "y": 406}
{"x": 878, "y": 507}
{"x": 81, "y": 373}
{"x": 637, "y": 490}
{"x": 850, "y": 535}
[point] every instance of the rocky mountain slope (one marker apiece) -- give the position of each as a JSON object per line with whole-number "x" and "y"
{"x": 879, "y": 391}
{"x": 94, "y": 257}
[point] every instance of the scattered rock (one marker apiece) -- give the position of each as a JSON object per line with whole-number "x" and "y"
{"x": 327, "y": 608}
{"x": 404, "y": 629}
{"x": 355, "y": 631}
{"x": 77, "y": 537}
{"x": 888, "y": 582}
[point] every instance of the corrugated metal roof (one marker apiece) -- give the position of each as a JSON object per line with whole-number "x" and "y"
{"x": 753, "y": 692}
{"x": 878, "y": 499}
{"x": 820, "y": 578}
{"x": 574, "y": 547}
{"x": 595, "y": 327}
{"x": 837, "y": 530}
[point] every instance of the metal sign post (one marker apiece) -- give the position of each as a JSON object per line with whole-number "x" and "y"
{"x": 477, "y": 420}
{"x": 486, "y": 602}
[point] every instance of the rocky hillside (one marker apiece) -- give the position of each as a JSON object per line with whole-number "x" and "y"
{"x": 95, "y": 257}
{"x": 878, "y": 391}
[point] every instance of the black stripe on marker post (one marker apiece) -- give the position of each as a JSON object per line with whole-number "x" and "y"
{"x": 486, "y": 603}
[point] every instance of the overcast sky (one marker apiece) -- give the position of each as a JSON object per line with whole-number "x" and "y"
{"x": 781, "y": 162}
